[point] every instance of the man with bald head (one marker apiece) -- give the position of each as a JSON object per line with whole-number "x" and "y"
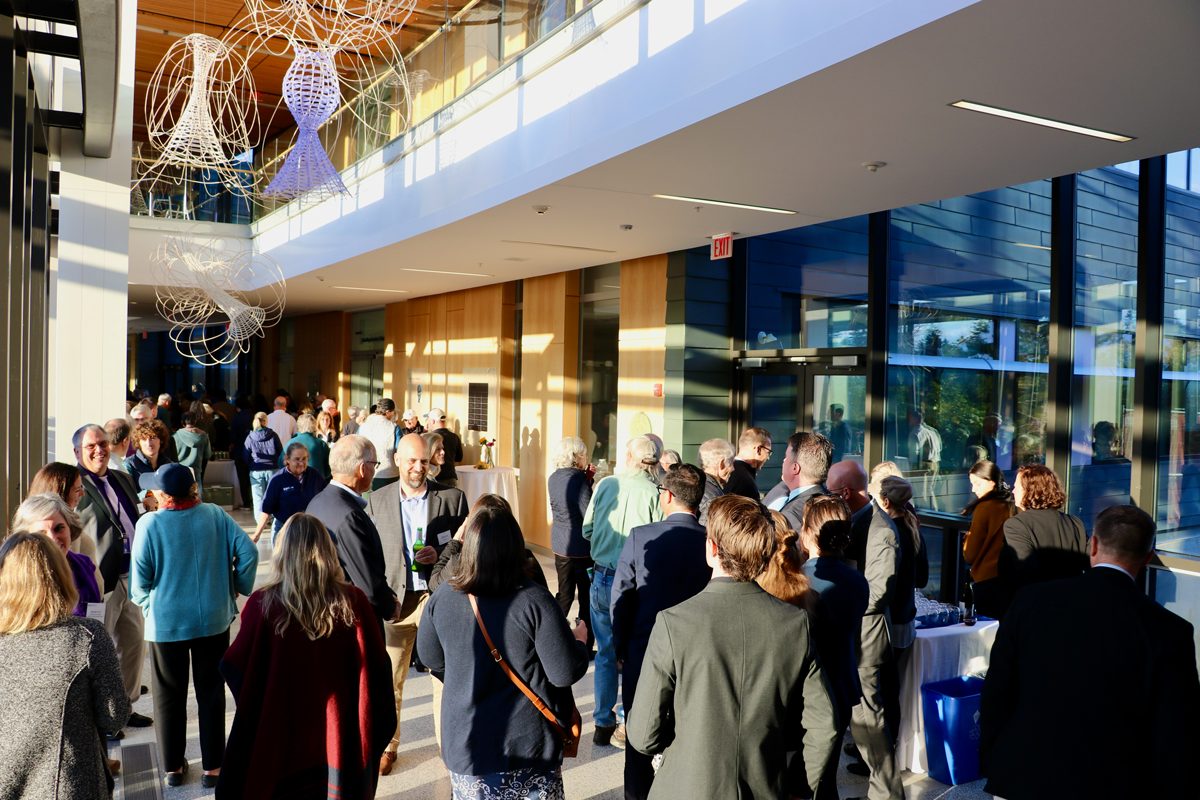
{"x": 416, "y": 519}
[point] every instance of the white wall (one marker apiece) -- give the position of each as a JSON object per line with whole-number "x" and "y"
{"x": 89, "y": 289}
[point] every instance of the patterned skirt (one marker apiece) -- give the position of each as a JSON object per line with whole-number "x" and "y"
{"x": 534, "y": 783}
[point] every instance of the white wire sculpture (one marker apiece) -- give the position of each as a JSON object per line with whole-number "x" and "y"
{"x": 216, "y": 282}
{"x": 335, "y": 42}
{"x": 201, "y": 111}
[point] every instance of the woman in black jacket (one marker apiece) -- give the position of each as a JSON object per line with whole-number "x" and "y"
{"x": 1041, "y": 543}
{"x": 570, "y": 488}
{"x": 495, "y": 740}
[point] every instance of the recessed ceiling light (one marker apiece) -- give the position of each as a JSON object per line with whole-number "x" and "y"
{"x": 768, "y": 209}
{"x": 518, "y": 259}
{"x": 368, "y": 289}
{"x": 448, "y": 272}
{"x": 1048, "y": 123}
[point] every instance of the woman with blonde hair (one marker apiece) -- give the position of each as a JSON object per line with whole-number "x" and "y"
{"x": 326, "y": 431}
{"x": 261, "y": 451}
{"x": 62, "y": 688}
{"x": 783, "y": 576}
{"x": 844, "y": 595}
{"x": 437, "y": 454}
{"x": 339, "y": 718}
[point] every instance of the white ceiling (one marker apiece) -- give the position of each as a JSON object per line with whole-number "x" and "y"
{"x": 1126, "y": 67}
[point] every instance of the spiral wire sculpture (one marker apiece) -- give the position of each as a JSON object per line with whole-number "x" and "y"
{"x": 201, "y": 113}
{"x": 202, "y": 284}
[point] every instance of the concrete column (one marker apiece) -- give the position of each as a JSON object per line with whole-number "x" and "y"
{"x": 89, "y": 278}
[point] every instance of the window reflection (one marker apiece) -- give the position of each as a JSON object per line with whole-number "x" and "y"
{"x": 1105, "y": 326}
{"x": 968, "y": 333}
{"x": 808, "y": 287}
{"x": 599, "y": 329}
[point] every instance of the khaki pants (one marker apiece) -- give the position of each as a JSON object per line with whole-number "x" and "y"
{"x": 399, "y": 638}
{"x": 127, "y": 625}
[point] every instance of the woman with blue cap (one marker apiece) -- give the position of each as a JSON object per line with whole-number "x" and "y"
{"x": 190, "y": 562}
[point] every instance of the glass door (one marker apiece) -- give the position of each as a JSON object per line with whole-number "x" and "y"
{"x": 784, "y": 397}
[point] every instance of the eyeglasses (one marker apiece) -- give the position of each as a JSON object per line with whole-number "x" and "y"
{"x": 662, "y": 488}
{"x": 764, "y": 447}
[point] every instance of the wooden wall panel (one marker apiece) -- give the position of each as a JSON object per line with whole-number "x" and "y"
{"x": 642, "y": 342}
{"x": 549, "y": 389}
{"x": 395, "y": 317}
{"x": 322, "y": 342}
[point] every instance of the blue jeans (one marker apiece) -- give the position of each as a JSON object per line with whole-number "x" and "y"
{"x": 606, "y": 653}
{"x": 259, "y": 479}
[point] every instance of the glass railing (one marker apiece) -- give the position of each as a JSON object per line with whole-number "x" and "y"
{"x": 461, "y": 51}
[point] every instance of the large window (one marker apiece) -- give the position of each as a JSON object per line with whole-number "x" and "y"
{"x": 1106, "y": 246}
{"x": 1179, "y": 417}
{"x": 599, "y": 328}
{"x": 807, "y": 287}
{"x": 968, "y": 318}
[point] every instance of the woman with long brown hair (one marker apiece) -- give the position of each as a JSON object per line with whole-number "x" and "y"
{"x": 783, "y": 576}
{"x": 62, "y": 682}
{"x": 991, "y": 508}
{"x": 339, "y": 718}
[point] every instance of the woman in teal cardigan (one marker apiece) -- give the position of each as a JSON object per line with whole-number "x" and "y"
{"x": 190, "y": 562}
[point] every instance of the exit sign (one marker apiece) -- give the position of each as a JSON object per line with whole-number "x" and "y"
{"x": 722, "y": 246}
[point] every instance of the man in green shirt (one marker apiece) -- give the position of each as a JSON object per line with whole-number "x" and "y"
{"x": 619, "y": 504}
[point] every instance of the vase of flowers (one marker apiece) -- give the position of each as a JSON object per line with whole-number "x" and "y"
{"x": 486, "y": 459}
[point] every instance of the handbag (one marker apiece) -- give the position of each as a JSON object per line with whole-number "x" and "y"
{"x": 570, "y": 738}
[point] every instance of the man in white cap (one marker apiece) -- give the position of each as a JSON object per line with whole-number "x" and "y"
{"x": 436, "y": 423}
{"x": 410, "y": 423}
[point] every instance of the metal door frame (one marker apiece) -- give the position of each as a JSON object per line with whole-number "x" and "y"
{"x": 805, "y": 367}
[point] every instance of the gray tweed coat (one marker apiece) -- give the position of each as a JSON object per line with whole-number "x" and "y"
{"x": 60, "y": 692}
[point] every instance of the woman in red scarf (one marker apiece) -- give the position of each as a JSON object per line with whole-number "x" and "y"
{"x": 304, "y": 732}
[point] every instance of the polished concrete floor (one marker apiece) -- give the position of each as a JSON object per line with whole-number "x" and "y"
{"x": 419, "y": 774}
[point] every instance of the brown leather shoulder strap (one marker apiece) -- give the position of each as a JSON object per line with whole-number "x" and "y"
{"x": 512, "y": 676}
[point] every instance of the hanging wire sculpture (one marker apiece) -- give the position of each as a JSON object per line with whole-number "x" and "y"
{"x": 336, "y": 43}
{"x": 201, "y": 110}
{"x": 217, "y": 293}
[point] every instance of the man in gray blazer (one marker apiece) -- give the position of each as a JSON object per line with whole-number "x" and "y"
{"x": 411, "y": 510}
{"x": 109, "y": 513}
{"x": 875, "y": 550}
{"x": 725, "y": 730}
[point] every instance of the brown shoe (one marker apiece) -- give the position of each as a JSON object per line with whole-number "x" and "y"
{"x": 386, "y": 762}
{"x": 114, "y": 766}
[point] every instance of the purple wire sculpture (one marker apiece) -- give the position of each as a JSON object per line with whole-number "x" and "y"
{"x": 311, "y": 91}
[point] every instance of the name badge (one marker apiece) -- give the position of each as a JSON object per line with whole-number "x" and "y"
{"x": 443, "y": 537}
{"x": 125, "y": 544}
{"x": 95, "y": 611}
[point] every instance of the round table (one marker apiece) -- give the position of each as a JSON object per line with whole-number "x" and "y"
{"x": 938, "y": 654}
{"x": 497, "y": 480}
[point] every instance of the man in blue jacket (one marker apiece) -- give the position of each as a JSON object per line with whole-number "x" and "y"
{"x": 661, "y": 565}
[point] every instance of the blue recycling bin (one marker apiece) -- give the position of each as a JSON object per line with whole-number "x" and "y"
{"x": 952, "y": 729}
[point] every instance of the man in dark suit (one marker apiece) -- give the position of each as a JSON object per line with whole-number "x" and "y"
{"x": 875, "y": 551}
{"x": 409, "y": 511}
{"x": 727, "y": 729}
{"x": 109, "y": 513}
{"x": 754, "y": 450}
{"x": 1091, "y": 671}
{"x": 805, "y": 465}
{"x": 661, "y": 565}
{"x": 342, "y": 509}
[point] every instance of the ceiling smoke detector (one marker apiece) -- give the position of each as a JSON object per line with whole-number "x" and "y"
{"x": 626, "y": 227}
{"x": 541, "y": 210}
{"x": 874, "y": 166}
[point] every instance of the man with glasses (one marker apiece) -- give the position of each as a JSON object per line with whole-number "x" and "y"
{"x": 754, "y": 450}
{"x": 661, "y": 565}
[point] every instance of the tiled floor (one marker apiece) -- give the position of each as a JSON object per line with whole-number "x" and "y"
{"x": 419, "y": 774}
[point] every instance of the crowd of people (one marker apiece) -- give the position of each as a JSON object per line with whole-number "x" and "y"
{"x": 684, "y": 574}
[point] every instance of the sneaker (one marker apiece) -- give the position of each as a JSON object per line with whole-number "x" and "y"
{"x": 603, "y": 735}
{"x": 137, "y": 720}
{"x": 618, "y": 737}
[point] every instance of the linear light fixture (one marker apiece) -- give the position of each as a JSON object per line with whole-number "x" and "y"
{"x": 768, "y": 209}
{"x": 368, "y": 289}
{"x": 448, "y": 272}
{"x": 1048, "y": 123}
{"x": 559, "y": 246}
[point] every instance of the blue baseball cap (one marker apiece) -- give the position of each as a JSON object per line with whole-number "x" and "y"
{"x": 174, "y": 479}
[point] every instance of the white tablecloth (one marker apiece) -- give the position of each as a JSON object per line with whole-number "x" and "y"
{"x": 498, "y": 480}
{"x": 224, "y": 472}
{"x": 938, "y": 654}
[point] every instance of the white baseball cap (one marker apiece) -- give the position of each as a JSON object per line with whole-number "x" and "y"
{"x": 409, "y": 414}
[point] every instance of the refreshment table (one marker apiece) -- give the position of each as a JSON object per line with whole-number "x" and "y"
{"x": 224, "y": 472}
{"x": 497, "y": 480}
{"x": 937, "y": 654}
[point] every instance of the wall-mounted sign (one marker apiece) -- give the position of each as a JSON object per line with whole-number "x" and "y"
{"x": 722, "y": 246}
